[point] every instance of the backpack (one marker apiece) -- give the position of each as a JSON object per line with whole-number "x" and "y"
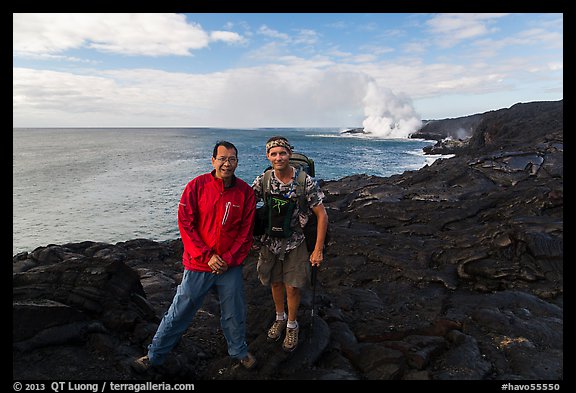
{"x": 301, "y": 162}
{"x": 265, "y": 218}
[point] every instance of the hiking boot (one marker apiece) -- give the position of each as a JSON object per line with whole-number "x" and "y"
{"x": 141, "y": 365}
{"x": 276, "y": 330}
{"x": 291, "y": 339}
{"x": 248, "y": 362}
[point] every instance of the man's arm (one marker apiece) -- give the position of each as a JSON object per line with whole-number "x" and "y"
{"x": 317, "y": 256}
{"x": 187, "y": 221}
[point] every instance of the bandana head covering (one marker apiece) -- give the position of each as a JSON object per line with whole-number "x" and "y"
{"x": 279, "y": 143}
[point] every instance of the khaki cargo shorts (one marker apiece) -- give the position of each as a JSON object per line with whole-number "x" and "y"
{"x": 294, "y": 271}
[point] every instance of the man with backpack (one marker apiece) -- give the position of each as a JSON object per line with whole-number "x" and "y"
{"x": 291, "y": 196}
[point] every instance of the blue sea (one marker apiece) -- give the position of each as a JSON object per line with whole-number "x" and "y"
{"x": 117, "y": 184}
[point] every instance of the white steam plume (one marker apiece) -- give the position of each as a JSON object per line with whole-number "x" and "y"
{"x": 389, "y": 115}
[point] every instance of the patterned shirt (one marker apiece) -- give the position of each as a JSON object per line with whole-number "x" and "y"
{"x": 314, "y": 197}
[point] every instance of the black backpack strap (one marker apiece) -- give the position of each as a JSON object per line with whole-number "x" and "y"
{"x": 266, "y": 181}
{"x": 301, "y": 191}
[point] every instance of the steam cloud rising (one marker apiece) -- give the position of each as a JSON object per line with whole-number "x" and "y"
{"x": 389, "y": 115}
{"x": 310, "y": 97}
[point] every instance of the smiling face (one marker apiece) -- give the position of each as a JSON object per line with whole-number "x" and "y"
{"x": 225, "y": 163}
{"x": 279, "y": 158}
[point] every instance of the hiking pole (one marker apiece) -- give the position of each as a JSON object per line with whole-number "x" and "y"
{"x": 313, "y": 271}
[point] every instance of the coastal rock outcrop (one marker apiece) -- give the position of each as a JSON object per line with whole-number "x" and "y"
{"x": 452, "y": 128}
{"x": 453, "y": 271}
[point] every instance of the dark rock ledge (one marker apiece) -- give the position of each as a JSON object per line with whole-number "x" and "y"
{"x": 454, "y": 271}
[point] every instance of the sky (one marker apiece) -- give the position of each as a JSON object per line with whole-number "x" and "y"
{"x": 385, "y": 72}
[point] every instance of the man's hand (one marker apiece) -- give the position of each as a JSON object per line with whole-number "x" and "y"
{"x": 217, "y": 264}
{"x": 316, "y": 257}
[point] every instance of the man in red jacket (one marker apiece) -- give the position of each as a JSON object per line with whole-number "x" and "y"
{"x": 216, "y": 219}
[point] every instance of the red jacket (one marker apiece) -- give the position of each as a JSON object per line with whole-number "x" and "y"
{"x": 213, "y": 219}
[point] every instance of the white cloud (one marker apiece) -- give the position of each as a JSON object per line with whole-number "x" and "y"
{"x": 301, "y": 37}
{"x": 555, "y": 66}
{"x": 45, "y": 33}
{"x": 493, "y": 47}
{"x": 306, "y": 36}
{"x": 363, "y": 58}
{"x": 450, "y": 29}
{"x": 266, "y": 31}
{"x": 552, "y": 39}
{"x": 145, "y": 97}
{"x": 129, "y": 34}
{"x": 226, "y": 36}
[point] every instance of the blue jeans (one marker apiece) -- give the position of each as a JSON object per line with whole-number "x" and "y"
{"x": 188, "y": 299}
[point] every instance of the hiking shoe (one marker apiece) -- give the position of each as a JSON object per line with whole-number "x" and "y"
{"x": 248, "y": 362}
{"x": 291, "y": 339}
{"x": 276, "y": 330}
{"x": 141, "y": 365}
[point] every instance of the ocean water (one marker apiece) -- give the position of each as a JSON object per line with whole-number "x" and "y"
{"x": 117, "y": 184}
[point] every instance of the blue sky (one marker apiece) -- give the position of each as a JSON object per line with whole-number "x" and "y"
{"x": 379, "y": 70}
